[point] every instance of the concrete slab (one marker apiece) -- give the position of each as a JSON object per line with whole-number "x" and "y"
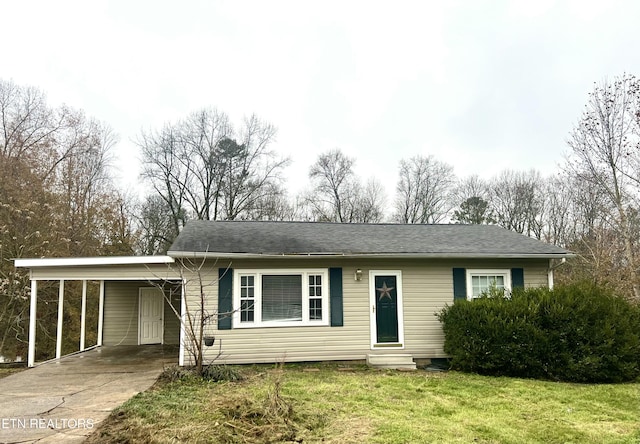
{"x": 64, "y": 401}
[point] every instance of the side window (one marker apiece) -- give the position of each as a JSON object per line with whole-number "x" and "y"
{"x": 483, "y": 281}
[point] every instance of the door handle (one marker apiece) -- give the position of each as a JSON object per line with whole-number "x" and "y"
{"x": 373, "y": 308}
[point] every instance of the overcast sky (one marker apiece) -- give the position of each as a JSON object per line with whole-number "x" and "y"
{"x": 482, "y": 85}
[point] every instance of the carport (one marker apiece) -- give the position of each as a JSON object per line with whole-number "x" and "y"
{"x": 140, "y": 299}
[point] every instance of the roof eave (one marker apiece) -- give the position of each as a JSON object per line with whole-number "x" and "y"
{"x": 435, "y": 255}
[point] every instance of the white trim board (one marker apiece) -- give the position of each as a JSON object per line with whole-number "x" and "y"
{"x": 89, "y": 261}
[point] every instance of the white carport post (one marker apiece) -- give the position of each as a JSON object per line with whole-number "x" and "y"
{"x": 31, "y": 357}
{"x": 183, "y": 320}
{"x": 83, "y": 314}
{"x": 60, "y": 319}
{"x": 100, "y": 314}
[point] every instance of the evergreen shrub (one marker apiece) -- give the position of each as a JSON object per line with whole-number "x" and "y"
{"x": 578, "y": 333}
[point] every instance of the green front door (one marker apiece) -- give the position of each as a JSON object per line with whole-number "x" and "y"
{"x": 386, "y": 302}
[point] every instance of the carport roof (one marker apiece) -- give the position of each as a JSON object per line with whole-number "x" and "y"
{"x": 92, "y": 261}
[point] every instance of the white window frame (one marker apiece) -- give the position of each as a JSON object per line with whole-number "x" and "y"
{"x": 257, "y": 315}
{"x": 505, "y": 272}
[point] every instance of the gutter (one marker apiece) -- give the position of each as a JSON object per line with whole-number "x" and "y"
{"x": 212, "y": 255}
{"x": 562, "y": 262}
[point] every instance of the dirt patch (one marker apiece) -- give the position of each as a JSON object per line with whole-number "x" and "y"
{"x": 6, "y": 371}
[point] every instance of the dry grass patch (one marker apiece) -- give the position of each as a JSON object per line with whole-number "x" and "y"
{"x": 274, "y": 405}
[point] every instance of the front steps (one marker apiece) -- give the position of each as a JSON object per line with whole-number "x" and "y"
{"x": 391, "y": 361}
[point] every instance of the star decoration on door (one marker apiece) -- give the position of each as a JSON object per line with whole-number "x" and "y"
{"x": 385, "y": 292}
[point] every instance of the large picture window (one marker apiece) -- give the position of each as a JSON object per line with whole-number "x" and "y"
{"x": 482, "y": 281}
{"x": 264, "y": 298}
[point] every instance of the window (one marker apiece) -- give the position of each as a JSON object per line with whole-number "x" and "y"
{"x": 247, "y": 293}
{"x": 281, "y": 298}
{"x": 481, "y": 281}
{"x": 264, "y": 298}
{"x": 315, "y": 297}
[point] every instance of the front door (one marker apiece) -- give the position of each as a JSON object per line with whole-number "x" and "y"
{"x": 151, "y": 325}
{"x": 386, "y": 304}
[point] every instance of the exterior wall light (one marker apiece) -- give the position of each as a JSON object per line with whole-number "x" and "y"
{"x": 358, "y": 275}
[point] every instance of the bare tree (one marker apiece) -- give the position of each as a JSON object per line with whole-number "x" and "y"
{"x": 338, "y": 195}
{"x": 84, "y": 182}
{"x": 168, "y": 167}
{"x": 202, "y": 167}
{"x": 29, "y": 125}
{"x": 589, "y": 207}
{"x": 273, "y": 205}
{"x": 333, "y": 178}
{"x": 560, "y": 217}
{"x": 251, "y": 169}
{"x": 471, "y": 186}
{"x": 424, "y": 191}
{"x": 371, "y": 201}
{"x": 517, "y": 201}
{"x": 156, "y": 231}
{"x": 604, "y": 152}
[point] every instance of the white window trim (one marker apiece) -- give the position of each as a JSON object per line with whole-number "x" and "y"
{"x": 506, "y": 272}
{"x": 258, "y": 273}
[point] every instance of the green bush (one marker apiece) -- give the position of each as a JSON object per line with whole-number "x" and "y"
{"x": 579, "y": 333}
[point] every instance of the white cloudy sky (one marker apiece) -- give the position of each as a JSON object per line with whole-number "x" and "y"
{"x": 482, "y": 85}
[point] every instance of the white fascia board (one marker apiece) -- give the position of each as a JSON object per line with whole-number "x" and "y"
{"x": 92, "y": 261}
{"x": 212, "y": 255}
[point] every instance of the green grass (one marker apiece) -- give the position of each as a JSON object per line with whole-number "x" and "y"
{"x": 363, "y": 405}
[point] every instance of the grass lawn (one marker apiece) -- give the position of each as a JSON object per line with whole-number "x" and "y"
{"x": 361, "y": 405}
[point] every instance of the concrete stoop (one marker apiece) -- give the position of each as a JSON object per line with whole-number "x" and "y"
{"x": 391, "y": 361}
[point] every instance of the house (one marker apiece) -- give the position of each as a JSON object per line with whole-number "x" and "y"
{"x": 301, "y": 291}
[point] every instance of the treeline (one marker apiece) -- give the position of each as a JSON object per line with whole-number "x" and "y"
{"x": 58, "y": 197}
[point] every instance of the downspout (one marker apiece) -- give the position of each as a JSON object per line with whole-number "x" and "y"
{"x": 551, "y": 268}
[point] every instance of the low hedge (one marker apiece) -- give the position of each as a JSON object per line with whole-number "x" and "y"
{"x": 579, "y": 333}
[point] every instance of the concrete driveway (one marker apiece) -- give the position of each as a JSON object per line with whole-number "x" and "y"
{"x": 63, "y": 401}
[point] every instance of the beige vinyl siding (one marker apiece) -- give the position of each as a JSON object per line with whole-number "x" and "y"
{"x": 171, "y": 321}
{"x": 120, "y": 325}
{"x": 427, "y": 288}
{"x": 121, "y": 314}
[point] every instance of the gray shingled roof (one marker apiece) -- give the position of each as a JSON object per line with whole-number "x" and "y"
{"x": 309, "y": 238}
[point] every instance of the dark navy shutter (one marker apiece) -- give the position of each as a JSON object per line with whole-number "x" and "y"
{"x": 225, "y": 298}
{"x": 335, "y": 294}
{"x": 459, "y": 283}
{"x": 517, "y": 278}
